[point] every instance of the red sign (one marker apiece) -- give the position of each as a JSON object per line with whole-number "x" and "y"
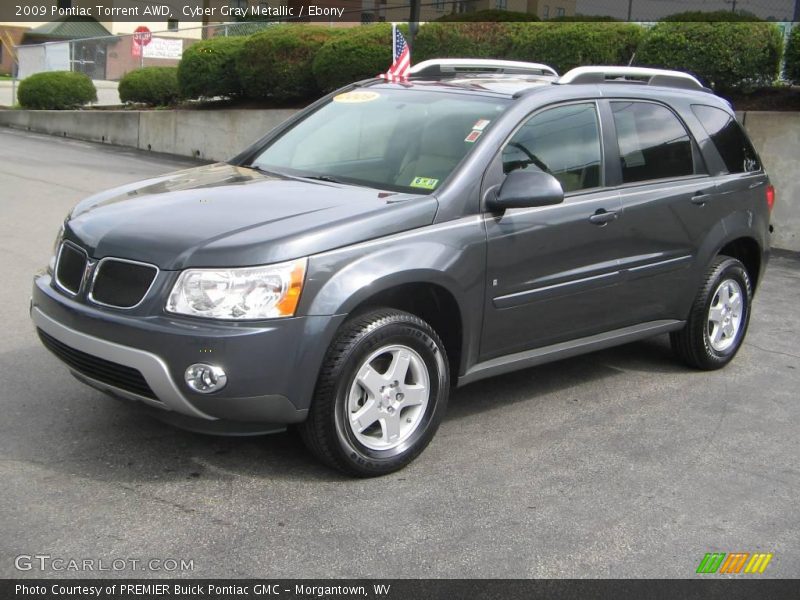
{"x": 142, "y": 36}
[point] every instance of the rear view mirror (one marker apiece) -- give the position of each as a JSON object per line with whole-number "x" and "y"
{"x": 527, "y": 188}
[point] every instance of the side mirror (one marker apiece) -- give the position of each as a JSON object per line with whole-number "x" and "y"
{"x": 527, "y": 188}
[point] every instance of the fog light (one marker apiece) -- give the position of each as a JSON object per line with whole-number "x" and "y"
{"x": 205, "y": 378}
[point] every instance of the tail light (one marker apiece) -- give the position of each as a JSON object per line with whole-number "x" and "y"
{"x": 770, "y": 197}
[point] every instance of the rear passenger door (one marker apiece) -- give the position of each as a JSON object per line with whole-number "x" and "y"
{"x": 667, "y": 197}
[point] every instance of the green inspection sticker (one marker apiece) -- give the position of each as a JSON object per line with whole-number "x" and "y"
{"x": 425, "y": 183}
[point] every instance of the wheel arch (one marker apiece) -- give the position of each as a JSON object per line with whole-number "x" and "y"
{"x": 748, "y": 251}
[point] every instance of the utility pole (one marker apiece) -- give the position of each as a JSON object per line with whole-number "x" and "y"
{"x": 630, "y": 9}
{"x": 796, "y": 16}
{"x": 733, "y": 4}
{"x": 413, "y": 22}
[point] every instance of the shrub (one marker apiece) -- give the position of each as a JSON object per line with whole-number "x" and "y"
{"x": 364, "y": 53}
{"x": 154, "y": 86}
{"x": 208, "y": 68}
{"x": 277, "y": 63}
{"x": 727, "y": 56}
{"x": 583, "y": 19}
{"x": 56, "y": 90}
{"x": 793, "y": 55}
{"x": 564, "y": 46}
{"x": 714, "y": 16}
{"x": 488, "y": 16}
{"x": 462, "y": 40}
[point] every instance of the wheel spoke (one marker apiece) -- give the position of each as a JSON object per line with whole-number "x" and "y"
{"x": 736, "y": 304}
{"x": 728, "y": 329}
{"x": 391, "y": 427}
{"x": 414, "y": 395}
{"x": 366, "y": 416}
{"x": 716, "y": 335}
{"x": 724, "y": 294}
{"x": 715, "y": 314}
{"x": 371, "y": 380}
{"x": 399, "y": 368}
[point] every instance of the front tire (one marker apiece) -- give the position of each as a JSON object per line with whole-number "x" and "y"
{"x": 719, "y": 317}
{"x": 381, "y": 394}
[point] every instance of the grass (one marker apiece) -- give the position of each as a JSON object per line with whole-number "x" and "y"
{"x": 5, "y": 77}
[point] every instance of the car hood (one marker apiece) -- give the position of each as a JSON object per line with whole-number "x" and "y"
{"x": 222, "y": 215}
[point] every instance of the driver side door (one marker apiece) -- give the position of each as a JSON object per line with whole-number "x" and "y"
{"x": 552, "y": 270}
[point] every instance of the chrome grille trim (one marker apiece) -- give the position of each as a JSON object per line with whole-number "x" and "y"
{"x": 57, "y": 266}
{"x": 97, "y": 269}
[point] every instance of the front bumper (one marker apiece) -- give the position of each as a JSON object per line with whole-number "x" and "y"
{"x": 271, "y": 365}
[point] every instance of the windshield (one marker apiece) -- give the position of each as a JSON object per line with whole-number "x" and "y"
{"x": 400, "y": 140}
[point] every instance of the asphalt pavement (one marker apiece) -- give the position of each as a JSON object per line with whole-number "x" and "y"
{"x": 621, "y": 463}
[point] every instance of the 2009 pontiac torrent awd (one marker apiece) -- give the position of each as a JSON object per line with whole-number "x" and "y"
{"x": 394, "y": 240}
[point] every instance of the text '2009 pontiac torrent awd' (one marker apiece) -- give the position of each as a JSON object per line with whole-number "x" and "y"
{"x": 394, "y": 240}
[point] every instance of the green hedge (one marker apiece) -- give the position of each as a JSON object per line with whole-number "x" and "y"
{"x": 793, "y": 55}
{"x": 727, "y": 56}
{"x": 564, "y": 46}
{"x": 364, "y": 53}
{"x": 714, "y": 16}
{"x": 463, "y": 40}
{"x": 208, "y": 68}
{"x": 56, "y": 90}
{"x": 154, "y": 86}
{"x": 276, "y": 64}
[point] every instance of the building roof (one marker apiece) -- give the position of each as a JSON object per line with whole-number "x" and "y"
{"x": 69, "y": 28}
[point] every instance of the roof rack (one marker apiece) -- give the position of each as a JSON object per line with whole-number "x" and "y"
{"x": 450, "y": 67}
{"x": 661, "y": 77}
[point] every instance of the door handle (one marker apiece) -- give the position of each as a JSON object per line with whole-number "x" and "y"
{"x": 700, "y": 198}
{"x": 603, "y": 216}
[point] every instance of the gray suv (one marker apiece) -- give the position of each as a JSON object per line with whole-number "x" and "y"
{"x": 395, "y": 240}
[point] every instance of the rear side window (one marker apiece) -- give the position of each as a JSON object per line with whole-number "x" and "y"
{"x": 732, "y": 144}
{"x": 653, "y": 143}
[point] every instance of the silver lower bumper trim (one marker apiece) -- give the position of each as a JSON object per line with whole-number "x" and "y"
{"x": 153, "y": 369}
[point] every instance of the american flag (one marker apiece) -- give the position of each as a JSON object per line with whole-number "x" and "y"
{"x": 402, "y": 57}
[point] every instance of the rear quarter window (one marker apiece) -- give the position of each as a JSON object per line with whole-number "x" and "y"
{"x": 730, "y": 140}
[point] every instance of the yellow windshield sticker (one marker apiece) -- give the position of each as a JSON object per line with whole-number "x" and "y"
{"x": 425, "y": 182}
{"x": 356, "y": 97}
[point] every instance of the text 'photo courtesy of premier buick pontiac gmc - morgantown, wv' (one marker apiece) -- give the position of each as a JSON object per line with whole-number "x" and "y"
{"x": 395, "y": 240}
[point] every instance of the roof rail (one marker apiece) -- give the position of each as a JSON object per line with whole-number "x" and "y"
{"x": 662, "y": 77}
{"x": 449, "y": 67}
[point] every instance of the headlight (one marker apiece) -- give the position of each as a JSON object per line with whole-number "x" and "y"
{"x": 247, "y": 293}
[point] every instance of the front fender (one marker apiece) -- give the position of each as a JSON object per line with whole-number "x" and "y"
{"x": 451, "y": 257}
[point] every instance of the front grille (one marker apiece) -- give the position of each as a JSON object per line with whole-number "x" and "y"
{"x": 121, "y": 283}
{"x": 70, "y": 268}
{"x": 99, "y": 369}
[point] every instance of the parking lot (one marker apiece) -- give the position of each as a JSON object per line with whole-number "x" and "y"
{"x": 621, "y": 463}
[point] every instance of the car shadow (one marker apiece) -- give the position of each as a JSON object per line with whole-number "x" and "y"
{"x": 67, "y": 427}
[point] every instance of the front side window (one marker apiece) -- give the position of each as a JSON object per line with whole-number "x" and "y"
{"x": 653, "y": 143}
{"x": 731, "y": 142}
{"x": 402, "y": 140}
{"x": 563, "y": 141}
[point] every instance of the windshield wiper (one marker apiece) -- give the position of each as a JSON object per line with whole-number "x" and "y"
{"x": 327, "y": 178}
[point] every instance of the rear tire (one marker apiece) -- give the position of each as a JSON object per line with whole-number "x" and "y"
{"x": 718, "y": 319}
{"x": 381, "y": 394}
